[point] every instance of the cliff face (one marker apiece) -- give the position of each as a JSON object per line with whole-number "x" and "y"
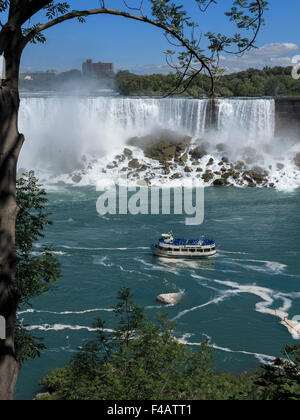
{"x": 287, "y": 120}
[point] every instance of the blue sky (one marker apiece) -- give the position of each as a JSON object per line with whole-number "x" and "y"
{"x": 139, "y": 47}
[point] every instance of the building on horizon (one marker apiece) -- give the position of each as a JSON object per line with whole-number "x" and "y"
{"x": 89, "y": 68}
{"x": 38, "y": 75}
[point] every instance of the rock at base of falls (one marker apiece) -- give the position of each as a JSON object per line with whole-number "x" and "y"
{"x": 170, "y": 298}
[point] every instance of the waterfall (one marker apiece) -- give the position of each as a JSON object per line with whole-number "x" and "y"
{"x": 60, "y": 130}
{"x": 252, "y": 117}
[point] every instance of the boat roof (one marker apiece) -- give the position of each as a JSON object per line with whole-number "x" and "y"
{"x": 177, "y": 241}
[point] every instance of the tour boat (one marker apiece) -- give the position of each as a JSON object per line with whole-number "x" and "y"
{"x": 170, "y": 247}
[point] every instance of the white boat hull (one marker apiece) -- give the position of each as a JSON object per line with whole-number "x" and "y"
{"x": 183, "y": 254}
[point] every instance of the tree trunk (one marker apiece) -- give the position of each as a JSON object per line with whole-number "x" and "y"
{"x": 10, "y": 146}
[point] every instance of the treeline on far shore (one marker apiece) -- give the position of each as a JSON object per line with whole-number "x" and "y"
{"x": 274, "y": 82}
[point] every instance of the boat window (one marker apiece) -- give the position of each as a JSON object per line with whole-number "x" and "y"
{"x": 170, "y": 249}
{"x": 207, "y": 250}
{"x": 200, "y": 250}
{"x": 214, "y": 248}
{"x": 176, "y": 249}
{"x": 192, "y": 250}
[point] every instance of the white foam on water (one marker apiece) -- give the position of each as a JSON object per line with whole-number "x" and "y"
{"x": 102, "y": 249}
{"x": 213, "y": 301}
{"x": 268, "y": 297}
{"x": 263, "y": 358}
{"x": 271, "y": 267}
{"x": 62, "y": 327}
{"x": 86, "y": 311}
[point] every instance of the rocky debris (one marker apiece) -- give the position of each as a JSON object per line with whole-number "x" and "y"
{"x": 208, "y": 176}
{"x": 220, "y": 182}
{"x": 170, "y": 298}
{"x": 120, "y": 158}
{"x": 239, "y": 166}
{"x": 176, "y": 158}
{"x": 112, "y": 165}
{"x": 198, "y": 153}
{"x": 76, "y": 178}
{"x": 257, "y": 175}
{"x": 163, "y": 146}
{"x": 176, "y": 176}
{"x": 134, "y": 164}
{"x": 297, "y": 160}
{"x": 127, "y": 153}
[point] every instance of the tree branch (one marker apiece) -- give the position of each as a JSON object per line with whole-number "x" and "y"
{"x": 82, "y": 13}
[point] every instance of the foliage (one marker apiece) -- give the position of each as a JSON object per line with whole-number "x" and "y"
{"x": 179, "y": 28}
{"x": 36, "y": 271}
{"x": 141, "y": 360}
{"x": 281, "y": 379}
{"x": 276, "y": 81}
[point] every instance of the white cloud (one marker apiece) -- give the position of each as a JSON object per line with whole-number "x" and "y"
{"x": 275, "y": 54}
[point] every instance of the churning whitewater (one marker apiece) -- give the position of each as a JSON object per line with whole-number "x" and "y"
{"x": 81, "y": 140}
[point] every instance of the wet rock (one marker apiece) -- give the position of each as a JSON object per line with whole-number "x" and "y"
{"x": 170, "y": 298}
{"x": 239, "y": 166}
{"x": 297, "y": 160}
{"x": 76, "y": 178}
{"x": 162, "y": 146}
{"x": 210, "y": 162}
{"x": 127, "y": 153}
{"x": 176, "y": 176}
{"x": 280, "y": 166}
{"x": 134, "y": 164}
{"x": 111, "y": 166}
{"x": 199, "y": 170}
{"x": 198, "y": 153}
{"x": 142, "y": 168}
{"x": 220, "y": 182}
{"x": 187, "y": 169}
{"x": 184, "y": 157}
{"x": 143, "y": 182}
{"x": 208, "y": 176}
{"x": 120, "y": 158}
{"x": 225, "y": 159}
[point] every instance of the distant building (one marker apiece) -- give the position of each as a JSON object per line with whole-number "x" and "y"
{"x": 38, "y": 75}
{"x": 89, "y": 68}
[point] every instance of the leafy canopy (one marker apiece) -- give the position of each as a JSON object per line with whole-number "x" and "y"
{"x": 36, "y": 271}
{"x": 141, "y": 360}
